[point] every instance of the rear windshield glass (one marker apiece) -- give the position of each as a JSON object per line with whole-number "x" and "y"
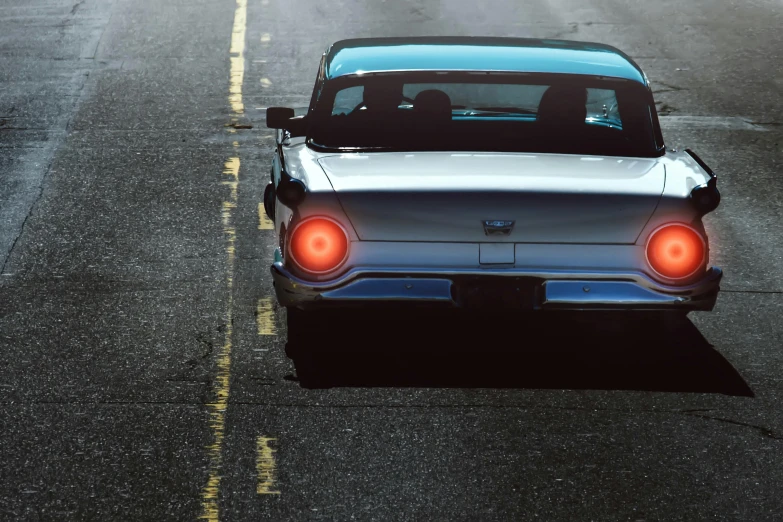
{"x": 460, "y": 111}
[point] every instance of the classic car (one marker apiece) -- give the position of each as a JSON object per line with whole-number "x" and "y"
{"x": 484, "y": 172}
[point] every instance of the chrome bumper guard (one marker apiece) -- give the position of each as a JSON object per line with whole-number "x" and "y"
{"x": 528, "y": 288}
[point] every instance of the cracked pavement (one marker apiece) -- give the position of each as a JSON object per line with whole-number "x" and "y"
{"x": 119, "y": 333}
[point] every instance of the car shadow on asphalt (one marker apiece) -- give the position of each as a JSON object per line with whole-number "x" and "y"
{"x": 562, "y": 350}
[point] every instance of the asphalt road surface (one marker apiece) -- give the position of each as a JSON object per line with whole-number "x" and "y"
{"x": 142, "y": 370}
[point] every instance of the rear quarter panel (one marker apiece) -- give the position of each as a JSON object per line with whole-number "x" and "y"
{"x": 320, "y": 200}
{"x": 683, "y": 174}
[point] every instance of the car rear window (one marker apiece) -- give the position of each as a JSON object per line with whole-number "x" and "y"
{"x": 459, "y": 111}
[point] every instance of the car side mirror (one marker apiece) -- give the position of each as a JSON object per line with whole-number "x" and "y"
{"x": 279, "y": 117}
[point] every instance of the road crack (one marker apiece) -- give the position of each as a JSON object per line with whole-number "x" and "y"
{"x": 766, "y": 432}
{"x": 76, "y": 7}
{"x": 670, "y": 87}
{"x": 772, "y": 123}
{"x": 206, "y": 342}
{"x": 573, "y": 29}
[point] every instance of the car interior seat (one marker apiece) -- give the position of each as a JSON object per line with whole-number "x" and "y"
{"x": 432, "y": 105}
{"x": 563, "y": 108}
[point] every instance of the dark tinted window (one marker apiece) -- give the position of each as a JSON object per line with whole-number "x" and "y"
{"x": 462, "y": 111}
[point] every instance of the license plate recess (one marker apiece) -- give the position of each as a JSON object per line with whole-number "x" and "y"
{"x": 498, "y": 292}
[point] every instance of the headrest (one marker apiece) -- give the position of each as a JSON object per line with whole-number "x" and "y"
{"x": 563, "y": 105}
{"x": 432, "y": 102}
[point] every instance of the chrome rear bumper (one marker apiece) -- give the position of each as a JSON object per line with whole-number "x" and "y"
{"x": 570, "y": 290}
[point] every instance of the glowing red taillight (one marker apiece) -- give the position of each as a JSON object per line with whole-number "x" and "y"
{"x": 319, "y": 245}
{"x": 676, "y": 251}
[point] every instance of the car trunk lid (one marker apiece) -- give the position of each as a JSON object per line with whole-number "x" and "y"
{"x": 449, "y": 197}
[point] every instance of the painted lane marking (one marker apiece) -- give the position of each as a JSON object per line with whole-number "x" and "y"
{"x": 238, "y": 58}
{"x": 266, "y": 82}
{"x": 266, "y": 37}
{"x": 231, "y": 168}
{"x": 265, "y": 467}
{"x": 710, "y": 122}
{"x": 217, "y": 410}
{"x": 264, "y": 223}
{"x": 265, "y": 317}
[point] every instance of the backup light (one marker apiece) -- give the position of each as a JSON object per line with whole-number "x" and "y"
{"x": 705, "y": 198}
{"x": 319, "y": 245}
{"x": 291, "y": 191}
{"x": 676, "y": 251}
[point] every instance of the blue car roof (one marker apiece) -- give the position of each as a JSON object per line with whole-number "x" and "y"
{"x": 373, "y": 55}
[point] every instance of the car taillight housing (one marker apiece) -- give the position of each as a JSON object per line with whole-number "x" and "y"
{"x": 676, "y": 251}
{"x": 319, "y": 245}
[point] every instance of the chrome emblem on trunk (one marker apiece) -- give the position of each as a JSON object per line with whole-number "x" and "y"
{"x": 496, "y": 227}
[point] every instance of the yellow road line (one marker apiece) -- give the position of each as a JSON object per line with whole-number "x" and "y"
{"x": 238, "y": 57}
{"x": 232, "y": 169}
{"x": 217, "y": 410}
{"x": 265, "y": 467}
{"x": 265, "y": 317}
{"x": 264, "y": 223}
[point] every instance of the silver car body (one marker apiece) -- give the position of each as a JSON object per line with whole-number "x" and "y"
{"x": 416, "y": 224}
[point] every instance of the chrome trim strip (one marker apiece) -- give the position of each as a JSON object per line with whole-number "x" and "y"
{"x": 605, "y": 292}
{"x": 573, "y": 291}
{"x": 713, "y": 275}
{"x": 402, "y": 289}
